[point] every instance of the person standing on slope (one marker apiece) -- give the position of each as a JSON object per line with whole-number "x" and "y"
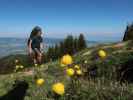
{"x": 35, "y": 45}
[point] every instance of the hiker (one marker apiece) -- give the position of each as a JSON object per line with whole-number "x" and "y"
{"x": 35, "y": 45}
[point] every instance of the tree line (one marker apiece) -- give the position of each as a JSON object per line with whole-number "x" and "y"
{"x": 70, "y": 45}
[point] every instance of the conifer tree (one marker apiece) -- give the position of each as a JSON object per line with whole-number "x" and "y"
{"x": 62, "y": 48}
{"x": 76, "y": 45}
{"x": 53, "y": 55}
{"x": 81, "y": 42}
{"x": 57, "y": 51}
{"x": 69, "y": 44}
{"x": 49, "y": 53}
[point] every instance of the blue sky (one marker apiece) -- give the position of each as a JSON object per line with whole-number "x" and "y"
{"x": 97, "y": 19}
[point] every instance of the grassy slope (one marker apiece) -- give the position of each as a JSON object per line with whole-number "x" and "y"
{"x": 104, "y": 87}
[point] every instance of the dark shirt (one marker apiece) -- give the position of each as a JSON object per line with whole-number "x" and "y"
{"x": 36, "y": 41}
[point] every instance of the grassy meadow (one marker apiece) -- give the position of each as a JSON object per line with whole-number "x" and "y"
{"x": 100, "y": 78}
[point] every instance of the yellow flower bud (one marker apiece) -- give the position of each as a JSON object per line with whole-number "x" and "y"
{"x": 40, "y": 81}
{"x": 16, "y": 61}
{"x": 77, "y": 67}
{"x": 42, "y": 65}
{"x": 58, "y": 88}
{"x": 36, "y": 65}
{"x": 79, "y": 72}
{"x": 70, "y": 72}
{"x": 102, "y": 54}
{"x": 62, "y": 65}
{"x": 21, "y": 66}
{"x": 85, "y": 61}
{"x": 66, "y": 60}
{"x": 17, "y": 66}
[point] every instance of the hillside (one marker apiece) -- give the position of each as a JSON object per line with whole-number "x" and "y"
{"x": 102, "y": 79}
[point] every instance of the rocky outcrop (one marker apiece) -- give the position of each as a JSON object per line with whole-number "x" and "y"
{"x": 128, "y": 33}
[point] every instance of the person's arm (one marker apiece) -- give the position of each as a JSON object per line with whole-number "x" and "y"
{"x": 29, "y": 47}
{"x": 41, "y": 45}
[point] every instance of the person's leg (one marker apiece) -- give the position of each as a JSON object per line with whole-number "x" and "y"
{"x": 39, "y": 55}
{"x": 35, "y": 61}
{"x": 39, "y": 58}
{"x": 34, "y": 57}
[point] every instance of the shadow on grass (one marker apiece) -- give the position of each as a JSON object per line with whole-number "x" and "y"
{"x": 18, "y": 92}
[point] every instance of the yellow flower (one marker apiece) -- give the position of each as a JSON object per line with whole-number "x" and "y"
{"x": 102, "y": 53}
{"x": 79, "y": 72}
{"x": 17, "y": 66}
{"x": 21, "y": 66}
{"x": 85, "y": 61}
{"x": 16, "y": 61}
{"x": 58, "y": 88}
{"x": 42, "y": 65}
{"x": 70, "y": 72}
{"x": 66, "y": 60}
{"x": 77, "y": 67}
{"x": 40, "y": 81}
{"x": 62, "y": 65}
{"x": 36, "y": 65}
